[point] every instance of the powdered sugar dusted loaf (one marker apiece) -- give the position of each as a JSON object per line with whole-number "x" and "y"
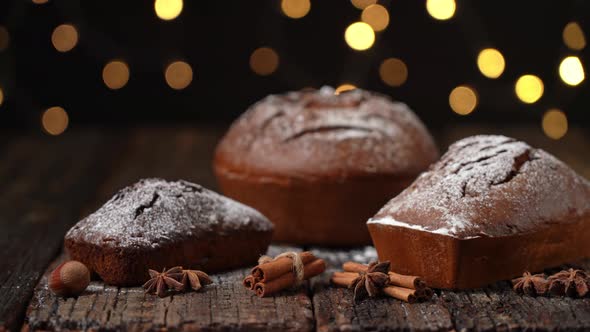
{"x": 316, "y": 133}
{"x": 489, "y": 186}
{"x": 491, "y": 208}
{"x": 155, "y": 224}
{"x": 320, "y": 164}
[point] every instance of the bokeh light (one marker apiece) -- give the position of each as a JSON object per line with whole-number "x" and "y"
{"x": 529, "y": 88}
{"x": 441, "y": 9}
{"x": 491, "y": 63}
{"x": 376, "y": 16}
{"x": 1, "y": 96}
{"x": 295, "y": 8}
{"x": 168, "y": 9}
{"x": 359, "y": 36}
{"x": 115, "y": 74}
{"x": 393, "y": 72}
{"x": 64, "y": 37}
{"x": 554, "y": 124}
{"x": 344, "y": 87}
{"x": 40, "y": 2}
{"x": 573, "y": 36}
{"x": 264, "y": 61}
{"x": 55, "y": 120}
{"x": 463, "y": 100}
{"x": 4, "y": 38}
{"x": 362, "y": 4}
{"x": 179, "y": 75}
{"x": 571, "y": 70}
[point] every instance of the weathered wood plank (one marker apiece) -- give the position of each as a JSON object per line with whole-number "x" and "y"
{"x": 186, "y": 153}
{"x": 335, "y": 309}
{"x": 224, "y": 305}
{"x": 495, "y": 308}
{"x": 45, "y": 182}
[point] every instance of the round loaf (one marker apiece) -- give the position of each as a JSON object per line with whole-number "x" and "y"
{"x": 318, "y": 164}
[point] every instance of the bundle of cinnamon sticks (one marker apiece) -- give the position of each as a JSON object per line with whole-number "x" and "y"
{"x": 402, "y": 287}
{"x": 271, "y": 277}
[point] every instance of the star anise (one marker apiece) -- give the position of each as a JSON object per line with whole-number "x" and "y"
{"x": 530, "y": 284}
{"x": 369, "y": 283}
{"x": 573, "y": 283}
{"x": 194, "y": 279}
{"x": 160, "y": 282}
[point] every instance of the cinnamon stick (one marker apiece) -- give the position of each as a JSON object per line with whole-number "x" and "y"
{"x": 401, "y": 280}
{"x": 348, "y": 275}
{"x": 401, "y": 293}
{"x": 343, "y": 279}
{"x": 396, "y": 279}
{"x": 287, "y": 280}
{"x": 275, "y": 269}
{"x": 249, "y": 282}
{"x": 354, "y": 267}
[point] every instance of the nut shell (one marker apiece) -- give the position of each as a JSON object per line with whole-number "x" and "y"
{"x": 69, "y": 279}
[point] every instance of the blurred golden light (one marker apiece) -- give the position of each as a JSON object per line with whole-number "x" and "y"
{"x": 554, "y": 124}
{"x": 4, "y": 38}
{"x": 376, "y": 16}
{"x": 573, "y": 36}
{"x": 55, "y": 120}
{"x": 571, "y": 70}
{"x": 115, "y": 74}
{"x": 362, "y": 4}
{"x": 40, "y": 2}
{"x": 491, "y": 63}
{"x": 344, "y": 87}
{"x": 64, "y": 37}
{"x": 179, "y": 75}
{"x": 463, "y": 100}
{"x": 529, "y": 88}
{"x": 295, "y": 8}
{"x": 441, "y": 9}
{"x": 168, "y": 9}
{"x": 264, "y": 61}
{"x": 393, "y": 72}
{"x": 1, "y": 96}
{"x": 359, "y": 36}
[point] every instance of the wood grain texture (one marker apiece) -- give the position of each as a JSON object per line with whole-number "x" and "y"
{"x": 47, "y": 182}
{"x": 223, "y": 305}
{"x": 495, "y": 308}
{"x": 335, "y": 309}
{"x": 44, "y": 184}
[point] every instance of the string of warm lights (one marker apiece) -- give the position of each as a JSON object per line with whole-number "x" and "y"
{"x": 463, "y": 99}
{"x": 360, "y": 36}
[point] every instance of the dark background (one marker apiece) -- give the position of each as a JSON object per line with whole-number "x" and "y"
{"x": 217, "y": 37}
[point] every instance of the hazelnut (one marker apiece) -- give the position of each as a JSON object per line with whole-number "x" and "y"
{"x": 69, "y": 279}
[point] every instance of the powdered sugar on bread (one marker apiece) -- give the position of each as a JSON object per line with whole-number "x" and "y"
{"x": 489, "y": 186}
{"x": 154, "y": 212}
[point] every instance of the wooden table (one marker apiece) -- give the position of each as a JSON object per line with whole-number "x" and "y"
{"x": 48, "y": 183}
